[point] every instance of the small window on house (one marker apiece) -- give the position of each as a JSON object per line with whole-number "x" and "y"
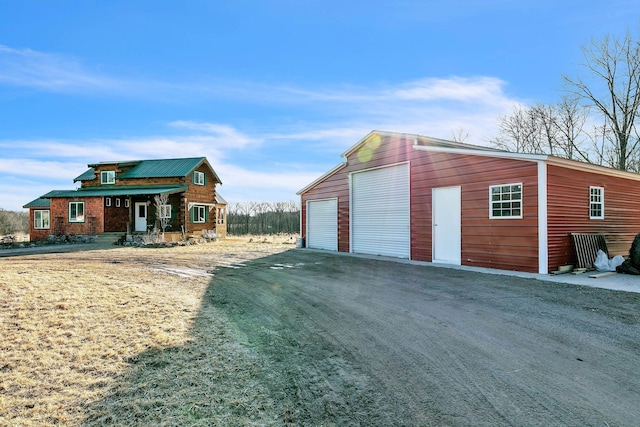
{"x": 108, "y": 177}
{"x": 165, "y": 211}
{"x": 198, "y": 178}
{"x": 117, "y": 202}
{"x": 596, "y": 203}
{"x": 199, "y": 214}
{"x": 107, "y": 201}
{"x": 41, "y": 219}
{"x": 505, "y": 201}
{"x": 126, "y": 203}
{"x": 76, "y": 211}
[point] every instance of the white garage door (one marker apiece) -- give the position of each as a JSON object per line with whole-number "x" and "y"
{"x": 380, "y": 219}
{"x": 322, "y": 224}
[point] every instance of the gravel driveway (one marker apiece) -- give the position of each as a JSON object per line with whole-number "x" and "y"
{"x": 357, "y": 341}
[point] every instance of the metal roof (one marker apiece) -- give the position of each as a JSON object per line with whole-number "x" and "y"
{"x": 115, "y": 191}
{"x": 38, "y": 203}
{"x": 155, "y": 168}
{"x": 220, "y": 200}
{"x": 88, "y": 175}
{"x": 162, "y": 168}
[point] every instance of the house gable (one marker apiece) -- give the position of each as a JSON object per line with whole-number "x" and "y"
{"x": 110, "y": 192}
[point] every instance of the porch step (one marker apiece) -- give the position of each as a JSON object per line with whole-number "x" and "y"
{"x": 108, "y": 238}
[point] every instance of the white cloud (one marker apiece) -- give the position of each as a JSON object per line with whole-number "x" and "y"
{"x": 26, "y": 67}
{"x": 333, "y": 119}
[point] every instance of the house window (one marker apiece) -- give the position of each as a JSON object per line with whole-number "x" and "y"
{"x": 505, "y": 201}
{"x": 199, "y": 214}
{"x": 107, "y": 201}
{"x": 117, "y": 202}
{"x": 198, "y": 178}
{"x": 596, "y": 203}
{"x": 108, "y": 177}
{"x": 126, "y": 203}
{"x": 165, "y": 211}
{"x": 76, "y": 211}
{"x": 41, "y": 219}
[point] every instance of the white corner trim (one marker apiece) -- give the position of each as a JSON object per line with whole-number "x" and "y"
{"x": 543, "y": 230}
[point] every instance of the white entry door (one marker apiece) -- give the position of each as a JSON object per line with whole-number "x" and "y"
{"x": 141, "y": 216}
{"x": 446, "y": 225}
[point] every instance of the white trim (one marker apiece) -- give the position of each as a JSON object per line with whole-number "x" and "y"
{"x": 108, "y": 172}
{"x": 491, "y": 216}
{"x": 323, "y": 177}
{"x": 211, "y": 206}
{"x": 485, "y": 153}
{"x": 601, "y": 203}
{"x": 42, "y": 227}
{"x": 198, "y": 178}
{"x": 543, "y": 225}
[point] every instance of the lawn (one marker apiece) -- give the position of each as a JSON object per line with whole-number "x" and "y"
{"x": 120, "y": 336}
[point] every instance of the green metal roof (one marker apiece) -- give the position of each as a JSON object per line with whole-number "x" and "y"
{"x": 38, "y": 203}
{"x": 162, "y": 168}
{"x": 117, "y": 190}
{"x": 88, "y": 175}
{"x": 158, "y": 168}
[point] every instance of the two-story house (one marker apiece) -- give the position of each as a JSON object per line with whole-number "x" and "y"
{"x": 120, "y": 197}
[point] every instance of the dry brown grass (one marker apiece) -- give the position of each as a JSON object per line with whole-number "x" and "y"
{"x": 119, "y": 336}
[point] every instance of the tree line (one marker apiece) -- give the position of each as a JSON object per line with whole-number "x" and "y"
{"x": 263, "y": 218}
{"x": 12, "y": 222}
{"x": 595, "y": 120}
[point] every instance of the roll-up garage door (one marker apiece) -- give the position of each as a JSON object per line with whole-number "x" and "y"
{"x": 322, "y": 224}
{"x": 380, "y": 218}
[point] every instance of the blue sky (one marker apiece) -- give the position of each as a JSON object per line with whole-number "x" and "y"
{"x": 270, "y": 91}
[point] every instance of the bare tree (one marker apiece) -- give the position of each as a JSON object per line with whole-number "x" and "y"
{"x": 612, "y": 87}
{"x": 459, "y": 135}
{"x": 163, "y": 211}
{"x": 519, "y": 132}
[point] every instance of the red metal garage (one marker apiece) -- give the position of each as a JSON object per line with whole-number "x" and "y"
{"x": 429, "y": 199}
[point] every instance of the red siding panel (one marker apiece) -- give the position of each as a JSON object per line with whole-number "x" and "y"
{"x": 504, "y": 243}
{"x": 568, "y": 212}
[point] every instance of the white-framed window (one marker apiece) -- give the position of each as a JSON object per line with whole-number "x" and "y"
{"x": 596, "y": 203}
{"x": 107, "y": 201}
{"x": 108, "y": 177}
{"x": 118, "y": 202}
{"x": 41, "y": 219}
{"x": 199, "y": 214}
{"x": 76, "y": 211}
{"x": 165, "y": 211}
{"x": 505, "y": 201}
{"x": 126, "y": 203}
{"x": 198, "y": 178}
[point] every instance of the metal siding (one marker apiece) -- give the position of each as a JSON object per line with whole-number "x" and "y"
{"x": 568, "y": 212}
{"x": 380, "y": 213}
{"x": 322, "y": 231}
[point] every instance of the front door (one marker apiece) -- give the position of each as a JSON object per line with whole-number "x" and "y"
{"x": 446, "y": 225}
{"x": 141, "y": 216}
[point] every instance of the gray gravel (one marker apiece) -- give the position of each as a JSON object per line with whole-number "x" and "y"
{"x": 358, "y": 341}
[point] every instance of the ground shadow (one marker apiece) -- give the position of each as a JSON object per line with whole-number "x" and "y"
{"x": 251, "y": 360}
